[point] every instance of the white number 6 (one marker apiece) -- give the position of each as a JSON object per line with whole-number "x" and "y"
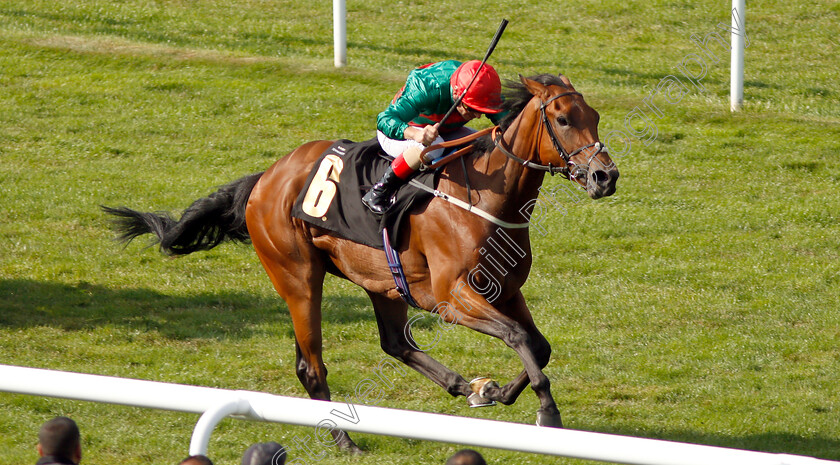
{"x": 322, "y": 190}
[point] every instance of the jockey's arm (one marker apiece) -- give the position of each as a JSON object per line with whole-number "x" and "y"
{"x": 424, "y": 135}
{"x": 393, "y": 122}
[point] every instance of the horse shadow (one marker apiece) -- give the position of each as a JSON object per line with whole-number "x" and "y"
{"x": 239, "y": 315}
{"x": 224, "y": 315}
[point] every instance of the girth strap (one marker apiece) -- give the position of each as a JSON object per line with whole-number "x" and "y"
{"x": 395, "y": 265}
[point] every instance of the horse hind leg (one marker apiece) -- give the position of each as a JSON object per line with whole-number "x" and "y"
{"x": 301, "y": 287}
{"x": 394, "y": 333}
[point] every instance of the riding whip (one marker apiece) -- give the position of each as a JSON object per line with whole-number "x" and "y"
{"x": 495, "y": 41}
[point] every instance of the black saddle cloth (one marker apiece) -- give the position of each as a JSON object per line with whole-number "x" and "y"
{"x": 341, "y": 177}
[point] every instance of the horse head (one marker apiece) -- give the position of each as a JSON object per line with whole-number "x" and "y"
{"x": 568, "y": 138}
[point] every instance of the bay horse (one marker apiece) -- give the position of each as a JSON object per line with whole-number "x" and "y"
{"x": 549, "y": 128}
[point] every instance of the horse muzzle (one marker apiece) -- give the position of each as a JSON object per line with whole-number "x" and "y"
{"x": 600, "y": 182}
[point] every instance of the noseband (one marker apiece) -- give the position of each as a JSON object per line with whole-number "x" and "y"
{"x": 570, "y": 170}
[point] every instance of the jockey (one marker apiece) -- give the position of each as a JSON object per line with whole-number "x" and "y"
{"x": 412, "y": 120}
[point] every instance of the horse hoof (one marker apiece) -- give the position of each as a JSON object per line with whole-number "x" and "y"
{"x": 551, "y": 420}
{"x": 351, "y": 449}
{"x": 347, "y": 445}
{"x": 481, "y": 385}
{"x": 476, "y": 400}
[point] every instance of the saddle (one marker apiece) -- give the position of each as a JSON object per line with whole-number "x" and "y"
{"x": 332, "y": 195}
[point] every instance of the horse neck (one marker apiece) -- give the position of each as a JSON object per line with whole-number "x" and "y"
{"x": 523, "y": 139}
{"x": 510, "y": 187}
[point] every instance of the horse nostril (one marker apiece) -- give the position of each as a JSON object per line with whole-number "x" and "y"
{"x": 600, "y": 177}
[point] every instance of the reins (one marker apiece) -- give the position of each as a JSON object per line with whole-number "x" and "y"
{"x": 451, "y": 143}
{"x": 551, "y": 169}
{"x": 570, "y": 170}
{"x": 457, "y": 154}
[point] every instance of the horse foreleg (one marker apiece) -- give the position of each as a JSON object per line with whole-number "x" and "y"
{"x": 392, "y": 320}
{"x": 539, "y": 346}
{"x": 516, "y": 328}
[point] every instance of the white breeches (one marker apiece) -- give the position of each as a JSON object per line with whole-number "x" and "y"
{"x": 394, "y": 147}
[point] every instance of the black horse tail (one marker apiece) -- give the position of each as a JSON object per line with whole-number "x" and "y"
{"x": 206, "y": 223}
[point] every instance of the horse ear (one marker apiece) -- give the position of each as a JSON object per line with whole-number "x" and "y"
{"x": 565, "y": 80}
{"x": 534, "y": 87}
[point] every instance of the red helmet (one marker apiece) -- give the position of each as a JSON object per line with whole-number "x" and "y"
{"x": 485, "y": 93}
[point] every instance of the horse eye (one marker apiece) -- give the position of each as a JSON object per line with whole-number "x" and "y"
{"x": 562, "y": 121}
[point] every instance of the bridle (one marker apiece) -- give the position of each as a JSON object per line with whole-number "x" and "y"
{"x": 571, "y": 170}
{"x": 496, "y": 135}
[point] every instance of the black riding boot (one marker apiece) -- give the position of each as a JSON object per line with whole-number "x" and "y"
{"x": 380, "y": 197}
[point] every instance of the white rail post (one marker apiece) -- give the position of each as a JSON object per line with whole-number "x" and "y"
{"x": 209, "y": 419}
{"x": 340, "y": 32}
{"x": 736, "y": 72}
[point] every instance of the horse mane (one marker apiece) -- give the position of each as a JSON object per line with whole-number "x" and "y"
{"x": 516, "y": 97}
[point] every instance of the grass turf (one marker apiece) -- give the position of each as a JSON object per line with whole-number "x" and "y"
{"x": 698, "y": 304}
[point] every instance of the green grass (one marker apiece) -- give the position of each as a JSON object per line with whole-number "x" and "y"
{"x": 698, "y": 304}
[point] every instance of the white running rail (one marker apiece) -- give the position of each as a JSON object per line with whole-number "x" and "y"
{"x": 216, "y": 404}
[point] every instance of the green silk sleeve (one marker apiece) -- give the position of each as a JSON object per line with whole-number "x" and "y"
{"x": 407, "y": 106}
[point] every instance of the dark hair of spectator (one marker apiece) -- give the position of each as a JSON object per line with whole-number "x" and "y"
{"x": 60, "y": 438}
{"x": 196, "y": 460}
{"x": 466, "y": 457}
